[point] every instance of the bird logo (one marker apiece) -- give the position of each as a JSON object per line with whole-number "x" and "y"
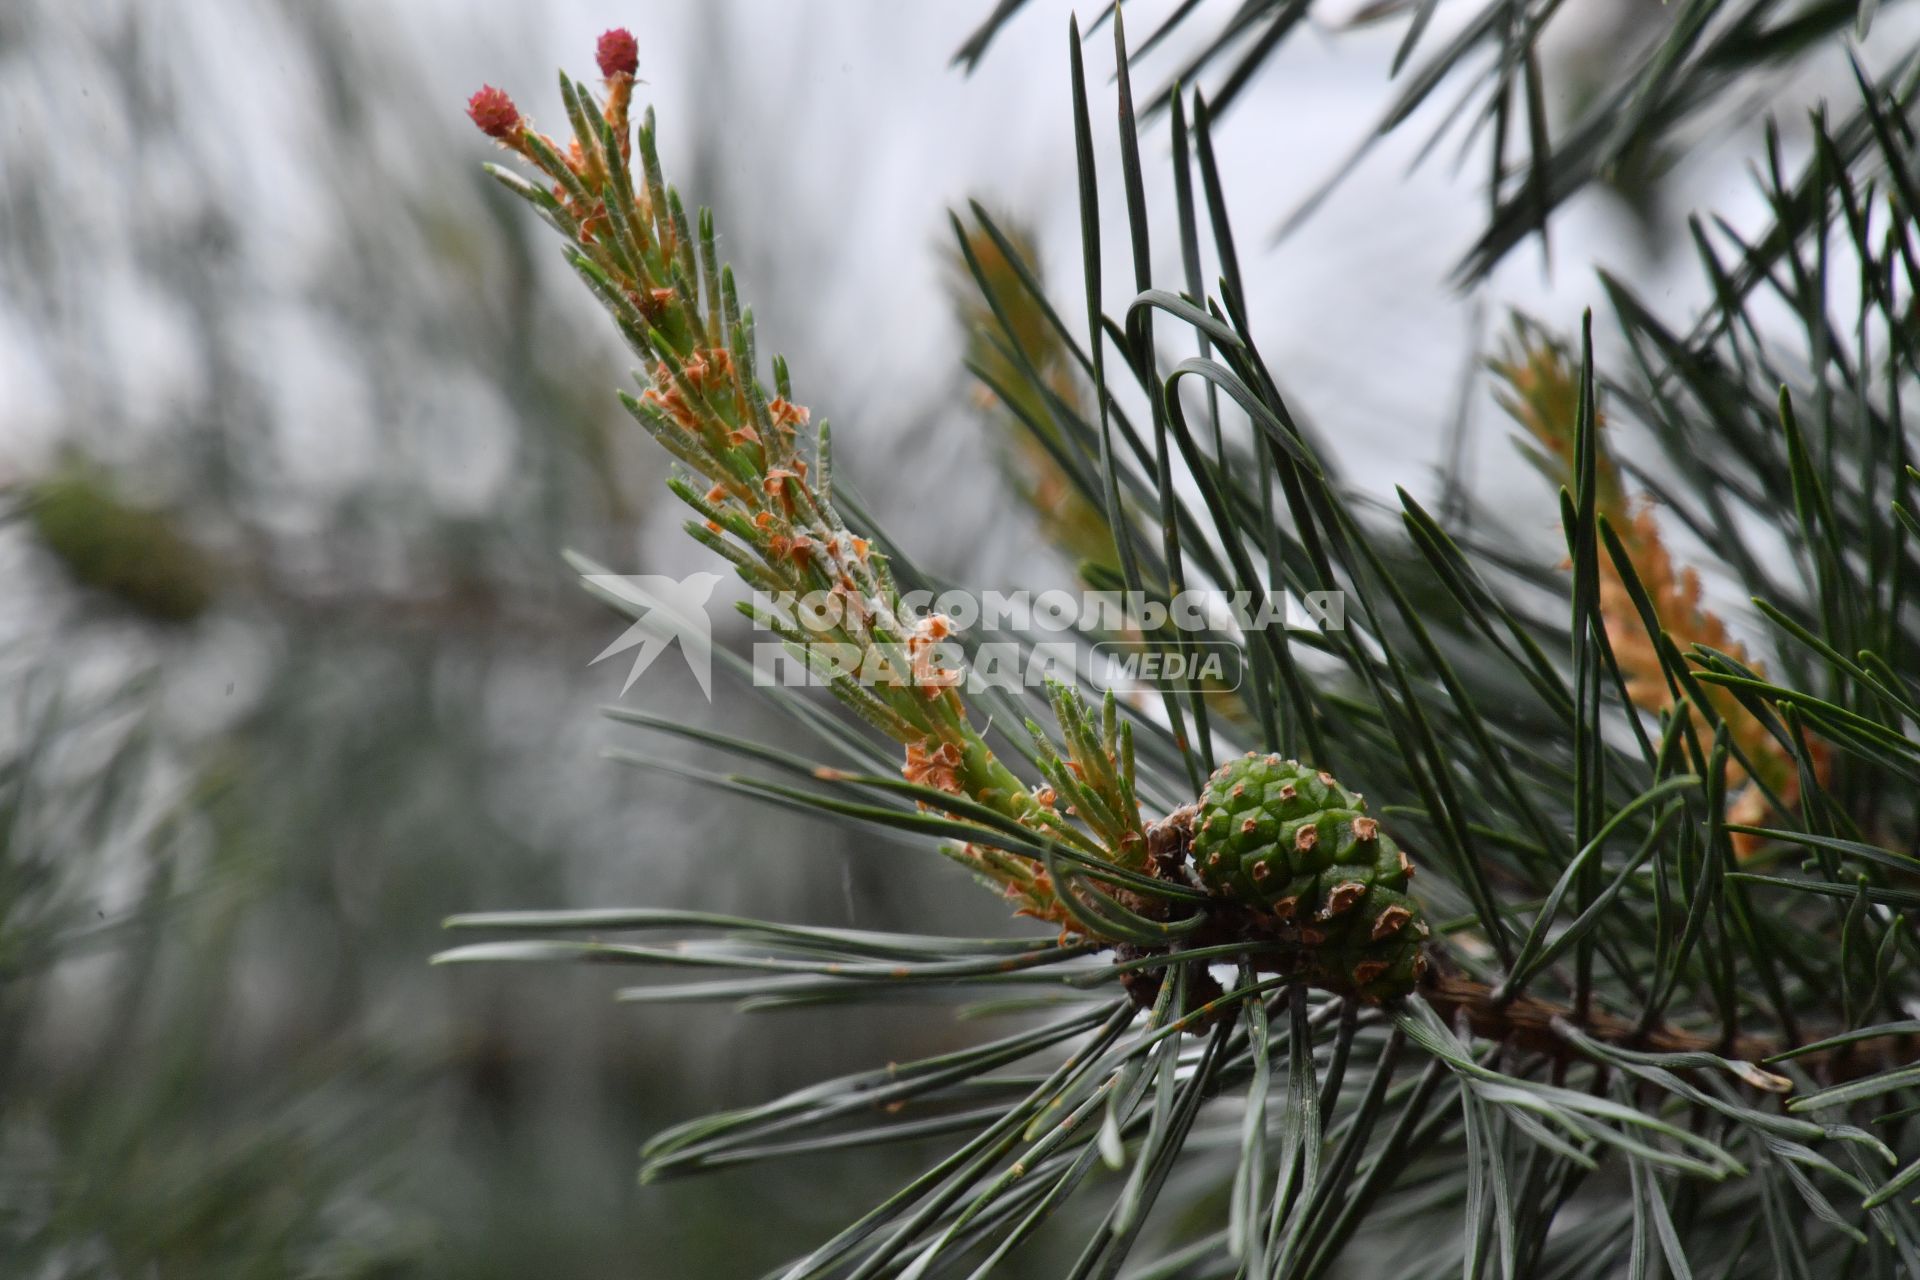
{"x": 664, "y": 610}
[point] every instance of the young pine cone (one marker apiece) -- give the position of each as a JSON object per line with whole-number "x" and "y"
{"x": 1285, "y": 840}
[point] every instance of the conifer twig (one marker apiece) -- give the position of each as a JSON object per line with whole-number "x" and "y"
{"x": 764, "y": 500}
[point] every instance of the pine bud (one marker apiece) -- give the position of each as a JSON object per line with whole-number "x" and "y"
{"x": 618, "y": 53}
{"x": 494, "y": 112}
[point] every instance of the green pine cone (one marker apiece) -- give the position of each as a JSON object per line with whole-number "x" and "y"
{"x": 133, "y": 554}
{"x": 1283, "y": 838}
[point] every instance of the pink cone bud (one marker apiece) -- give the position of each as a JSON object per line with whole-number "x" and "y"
{"x": 618, "y": 53}
{"x": 494, "y": 112}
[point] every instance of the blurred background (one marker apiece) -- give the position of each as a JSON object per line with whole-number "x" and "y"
{"x": 297, "y": 411}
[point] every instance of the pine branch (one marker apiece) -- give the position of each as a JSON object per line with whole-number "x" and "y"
{"x": 1569, "y": 763}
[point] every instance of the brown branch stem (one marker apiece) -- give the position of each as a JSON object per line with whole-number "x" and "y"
{"x": 1534, "y": 1024}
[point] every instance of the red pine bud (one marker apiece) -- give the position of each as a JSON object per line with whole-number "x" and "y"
{"x": 494, "y": 112}
{"x": 618, "y": 53}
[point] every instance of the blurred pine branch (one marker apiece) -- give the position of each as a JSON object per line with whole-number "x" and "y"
{"x": 1023, "y": 368}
